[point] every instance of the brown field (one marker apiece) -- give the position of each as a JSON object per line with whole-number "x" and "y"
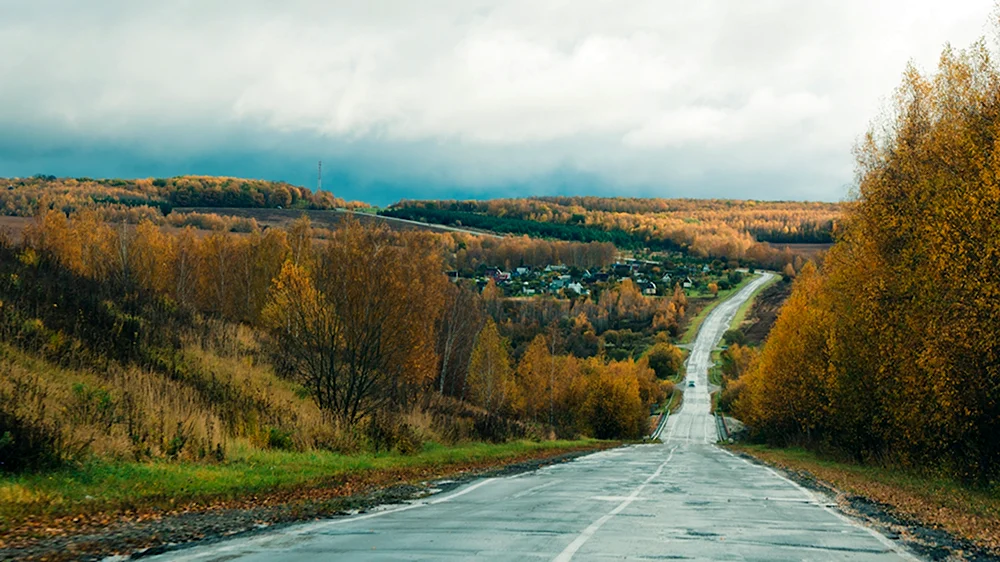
{"x": 14, "y": 226}
{"x": 806, "y": 250}
{"x": 320, "y": 219}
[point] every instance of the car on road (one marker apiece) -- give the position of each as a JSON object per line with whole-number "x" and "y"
{"x": 690, "y": 383}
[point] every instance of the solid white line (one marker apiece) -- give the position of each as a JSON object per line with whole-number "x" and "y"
{"x": 898, "y": 549}
{"x": 462, "y": 492}
{"x": 305, "y": 529}
{"x": 567, "y": 554}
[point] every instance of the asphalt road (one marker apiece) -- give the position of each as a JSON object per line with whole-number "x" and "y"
{"x": 683, "y": 499}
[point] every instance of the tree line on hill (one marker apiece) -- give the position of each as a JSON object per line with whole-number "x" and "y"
{"x": 25, "y": 196}
{"x": 511, "y": 225}
{"x": 777, "y": 222}
{"x": 750, "y": 233}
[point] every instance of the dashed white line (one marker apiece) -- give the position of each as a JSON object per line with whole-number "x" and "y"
{"x": 567, "y": 554}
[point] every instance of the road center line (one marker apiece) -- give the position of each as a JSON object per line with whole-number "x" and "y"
{"x": 567, "y": 554}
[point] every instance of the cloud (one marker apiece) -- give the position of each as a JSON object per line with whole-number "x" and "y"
{"x": 465, "y": 97}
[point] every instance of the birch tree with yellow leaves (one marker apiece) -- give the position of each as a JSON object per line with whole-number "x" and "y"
{"x": 892, "y": 353}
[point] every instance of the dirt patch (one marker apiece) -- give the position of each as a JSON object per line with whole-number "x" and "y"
{"x": 764, "y": 311}
{"x": 152, "y": 532}
{"x": 925, "y": 540}
{"x": 14, "y": 226}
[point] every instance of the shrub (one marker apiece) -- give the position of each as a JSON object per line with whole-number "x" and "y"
{"x": 278, "y": 438}
{"x": 27, "y": 441}
{"x": 734, "y": 337}
{"x": 665, "y": 360}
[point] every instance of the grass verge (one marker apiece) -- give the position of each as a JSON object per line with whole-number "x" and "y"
{"x": 972, "y": 514}
{"x": 694, "y": 324}
{"x": 673, "y": 402}
{"x": 715, "y": 371}
{"x": 132, "y": 488}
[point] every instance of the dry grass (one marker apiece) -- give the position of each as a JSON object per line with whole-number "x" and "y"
{"x": 126, "y": 413}
{"x": 133, "y": 413}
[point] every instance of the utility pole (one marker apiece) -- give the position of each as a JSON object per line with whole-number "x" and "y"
{"x": 319, "y": 176}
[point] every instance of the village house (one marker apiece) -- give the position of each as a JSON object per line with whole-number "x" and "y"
{"x": 497, "y": 274}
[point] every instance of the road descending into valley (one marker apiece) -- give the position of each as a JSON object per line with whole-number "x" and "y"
{"x": 683, "y": 499}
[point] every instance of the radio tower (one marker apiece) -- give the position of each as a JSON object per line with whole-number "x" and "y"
{"x": 319, "y": 176}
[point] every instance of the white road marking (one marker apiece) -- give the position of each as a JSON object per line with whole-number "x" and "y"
{"x": 534, "y": 489}
{"x": 567, "y": 554}
{"x": 306, "y": 529}
{"x": 462, "y": 492}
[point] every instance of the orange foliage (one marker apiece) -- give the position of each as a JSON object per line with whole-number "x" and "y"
{"x": 892, "y": 353}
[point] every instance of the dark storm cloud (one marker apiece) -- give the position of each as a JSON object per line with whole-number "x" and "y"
{"x": 464, "y": 98}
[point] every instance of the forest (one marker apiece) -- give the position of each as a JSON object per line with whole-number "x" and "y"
{"x": 888, "y": 354}
{"x": 748, "y": 232}
{"x": 134, "y": 341}
{"x": 530, "y": 227}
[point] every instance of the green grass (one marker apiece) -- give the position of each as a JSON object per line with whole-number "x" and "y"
{"x": 741, "y": 313}
{"x": 715, "y": 371}
{"x": 695, "y": 323}
{"x": 102, "y": 486}
{"x": 672, "y": 403}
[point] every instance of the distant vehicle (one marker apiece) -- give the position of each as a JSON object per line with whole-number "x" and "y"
{"x": 690, "y": 383}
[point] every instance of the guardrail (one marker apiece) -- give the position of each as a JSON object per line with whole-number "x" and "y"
{"x": 662, "y": 425}
{"x": 722, "y": 428}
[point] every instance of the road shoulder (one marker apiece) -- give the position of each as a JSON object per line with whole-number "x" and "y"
{"x": 892, "y": 511}
{"x": 153, "y": 532}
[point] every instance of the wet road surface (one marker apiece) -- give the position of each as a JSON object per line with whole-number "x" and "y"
{"x": 683, "y": 499}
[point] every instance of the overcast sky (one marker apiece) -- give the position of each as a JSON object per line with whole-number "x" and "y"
{"x": 754, "y": 99}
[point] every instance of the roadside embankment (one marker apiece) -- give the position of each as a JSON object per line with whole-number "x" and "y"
{"x": 101, "y": 509}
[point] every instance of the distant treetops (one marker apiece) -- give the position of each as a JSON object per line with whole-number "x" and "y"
{"x": 22, "y": 196}
{"x": 738, "y": 230}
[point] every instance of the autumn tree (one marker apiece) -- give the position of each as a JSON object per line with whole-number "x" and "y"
{"x": 491, "y": 382}
{"x": 536, "y": 378}
{"x": 736, "y": 360}
{"x": 787, "y": 389}
{"x": 891, "y": 353}
{"x": 665, "y": 360}
{"x": 461, "y": 321}
{"x": 359, "y": 331}
{"x": 614, "y": 407}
